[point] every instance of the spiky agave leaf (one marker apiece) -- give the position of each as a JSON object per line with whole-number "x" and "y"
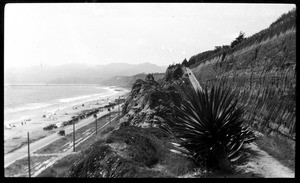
{"x": 209, "y": 125}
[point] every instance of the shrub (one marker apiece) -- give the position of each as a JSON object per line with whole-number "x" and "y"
{"x": 209, "y": 127}
{"x": 142, "y": 147}
{"x": 111, "y": 128}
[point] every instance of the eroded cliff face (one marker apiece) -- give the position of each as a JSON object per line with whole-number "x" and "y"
{"x": 148, "y": 100}
{"x": 264, "y": 76}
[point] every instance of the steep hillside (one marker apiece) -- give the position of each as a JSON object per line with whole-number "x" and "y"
{"x": 281, "y": 25}
{"x": 262, "y": 71}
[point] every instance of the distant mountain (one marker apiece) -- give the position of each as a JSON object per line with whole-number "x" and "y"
{"x": 124, "y": 69}
{"x": 128, "y": 81}
{"x": 78, "y": 73}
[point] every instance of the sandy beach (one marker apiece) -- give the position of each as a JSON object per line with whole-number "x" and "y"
{"x": 15, "y": 133}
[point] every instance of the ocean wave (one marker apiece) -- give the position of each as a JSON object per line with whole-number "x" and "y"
{"x": 30, "y": 106}
{"x": 65, "y": 100}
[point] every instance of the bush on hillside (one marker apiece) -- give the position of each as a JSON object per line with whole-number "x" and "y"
{"x": 210, "y": 128}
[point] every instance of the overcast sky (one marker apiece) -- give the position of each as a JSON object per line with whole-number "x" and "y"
{"x": 53, "y": 34}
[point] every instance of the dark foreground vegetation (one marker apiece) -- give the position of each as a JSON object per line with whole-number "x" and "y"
{"x": 131, "y": 152}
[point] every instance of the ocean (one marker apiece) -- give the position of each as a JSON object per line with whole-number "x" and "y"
{"x": 24, "y": 101}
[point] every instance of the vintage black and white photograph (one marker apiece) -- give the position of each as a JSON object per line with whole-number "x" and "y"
{"x": 149, "y": 90}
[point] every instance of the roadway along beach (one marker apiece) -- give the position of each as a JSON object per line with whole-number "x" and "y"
{"x": 15, "y": 144}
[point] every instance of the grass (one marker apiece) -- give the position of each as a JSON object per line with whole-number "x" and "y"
{"x": 147, "y": 154}
{"x": 13, "y": 147}
{"x": 142, "y": 148}
{"x": 61, "y": 167}
{"x": 20, "y": 167}
{"x": 106, "y": 131}
{"x": 280, "y": 148}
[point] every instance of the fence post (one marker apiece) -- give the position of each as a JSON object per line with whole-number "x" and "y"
{"x": 28, "y": 155}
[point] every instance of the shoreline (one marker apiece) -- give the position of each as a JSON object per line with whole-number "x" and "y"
{"x": 13, "y": 117}
{"x": 16, "y": 137}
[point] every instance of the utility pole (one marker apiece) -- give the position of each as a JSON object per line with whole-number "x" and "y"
{"x": 74, "y": 136}
{"x": 28, "y": 155}
{"x": 109, "y": 115}
{"x": 95, "y": 116}
{"x": 119, "y": 105}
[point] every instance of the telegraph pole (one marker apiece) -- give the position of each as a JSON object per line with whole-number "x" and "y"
{"x": 95, "y": 116}
{"x": 119, "y": 106}
{"x": 109, "y": 114}
{"x": 74, "y": 136}
{"x": 28, "y": 155}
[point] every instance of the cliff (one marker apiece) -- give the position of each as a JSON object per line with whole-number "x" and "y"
{"x": 149, "y": 100}
{"x": 262, "y": 71}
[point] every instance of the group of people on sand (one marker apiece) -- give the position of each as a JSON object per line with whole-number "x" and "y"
{"x": 9, "y": 126}
{"x": 51, "y": 115}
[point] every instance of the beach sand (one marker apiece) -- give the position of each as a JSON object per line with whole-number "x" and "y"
{"x": 16, "y": 136}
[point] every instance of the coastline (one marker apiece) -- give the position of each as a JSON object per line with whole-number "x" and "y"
{"x": 16, "y": 137}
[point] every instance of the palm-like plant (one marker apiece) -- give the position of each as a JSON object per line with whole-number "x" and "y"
{"x": 209, "y": 127}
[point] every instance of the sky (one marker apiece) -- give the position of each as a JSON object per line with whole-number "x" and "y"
{"x": 103, "y": 33}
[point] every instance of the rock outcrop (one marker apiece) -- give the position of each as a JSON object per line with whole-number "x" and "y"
{"x": 147, "y": 99}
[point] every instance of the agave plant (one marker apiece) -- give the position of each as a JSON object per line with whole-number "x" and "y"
{"x": 209, "y": 127}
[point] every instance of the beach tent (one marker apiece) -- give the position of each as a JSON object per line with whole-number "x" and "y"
{"x": 7, "y": 126}
{"x": 59, "y": 124}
